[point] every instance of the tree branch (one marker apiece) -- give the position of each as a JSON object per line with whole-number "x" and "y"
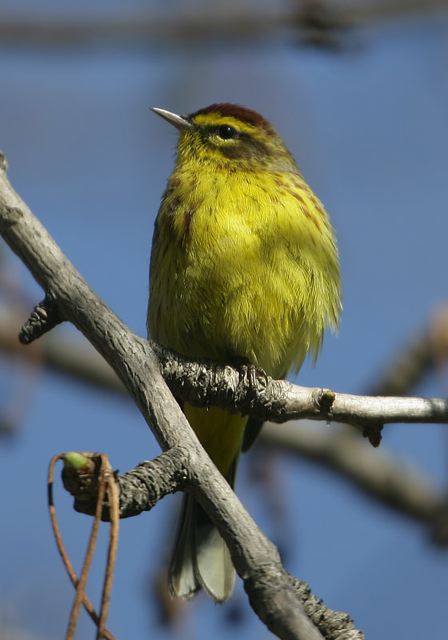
{"x": 142, "y": 487}
{"x": 139, "y": 489}
{"x": 244, "y": 389}
{"x": 256, "y": 559}
{"x": 250, "y": 390}
{"x": 379, "y": 475}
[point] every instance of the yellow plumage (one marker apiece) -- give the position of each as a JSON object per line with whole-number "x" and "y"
{"x": 244, "y": 266}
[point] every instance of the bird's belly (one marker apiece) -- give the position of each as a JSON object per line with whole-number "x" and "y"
{"x": 243, "y": 309}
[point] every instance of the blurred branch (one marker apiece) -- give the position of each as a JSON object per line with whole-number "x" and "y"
{"x": 60, "y": 354}
{"x": 318, "y": 22}
{"x": 379, "y": 475}
{"x": 423, "y": 353}
{"x": 18, "y": 384}
{"x": 271, "y": 591}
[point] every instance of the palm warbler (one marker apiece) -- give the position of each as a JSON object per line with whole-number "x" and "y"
{"x": 244, "y": 267}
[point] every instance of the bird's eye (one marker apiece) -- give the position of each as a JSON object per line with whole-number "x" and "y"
{"x": 226, "y": 132}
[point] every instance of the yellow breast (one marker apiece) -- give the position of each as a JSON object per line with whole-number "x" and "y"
{"x": 244, "y": 265}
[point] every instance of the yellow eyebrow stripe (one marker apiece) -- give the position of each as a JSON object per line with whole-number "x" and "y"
{"x": 216, "y": 120}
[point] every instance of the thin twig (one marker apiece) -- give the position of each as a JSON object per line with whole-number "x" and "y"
{"x": 80, "y": 588}
{"x": 61, "y": 547}
{"x": 114, "y": 498}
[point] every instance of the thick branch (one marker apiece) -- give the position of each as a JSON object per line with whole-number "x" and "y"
{"x": 380, "y": 476}
{"x": 244, "y": 389}
{"x": 376, "y": 474}
{"x": 250, "y": 390}
{"x": 143, "y": 486}
{"x": 255, "y": 558}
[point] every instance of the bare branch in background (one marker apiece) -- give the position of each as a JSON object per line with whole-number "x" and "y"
{"x": 379, "y": 475}
{"x": 424, "y": 352}
{"x": 60, "y": 354}
{"x": 321, "y": 23}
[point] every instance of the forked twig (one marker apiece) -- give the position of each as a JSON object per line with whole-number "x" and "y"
{"x": 79, "y": 583}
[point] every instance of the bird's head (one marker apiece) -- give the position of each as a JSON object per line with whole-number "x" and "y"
{"x": 231, "y": 137}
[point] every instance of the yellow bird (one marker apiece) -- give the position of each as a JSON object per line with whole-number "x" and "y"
{"x": 244, "y": 267}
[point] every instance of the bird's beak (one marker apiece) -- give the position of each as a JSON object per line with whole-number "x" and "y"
{"x": 178, "y": 121}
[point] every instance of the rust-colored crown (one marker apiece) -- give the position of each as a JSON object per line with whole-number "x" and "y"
{"x": 236, "y": 111}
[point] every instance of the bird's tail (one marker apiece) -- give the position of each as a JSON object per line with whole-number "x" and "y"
{"x": 200, "y": 558}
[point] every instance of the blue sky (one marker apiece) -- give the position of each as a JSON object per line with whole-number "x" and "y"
{"x": 368, "y": 128}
